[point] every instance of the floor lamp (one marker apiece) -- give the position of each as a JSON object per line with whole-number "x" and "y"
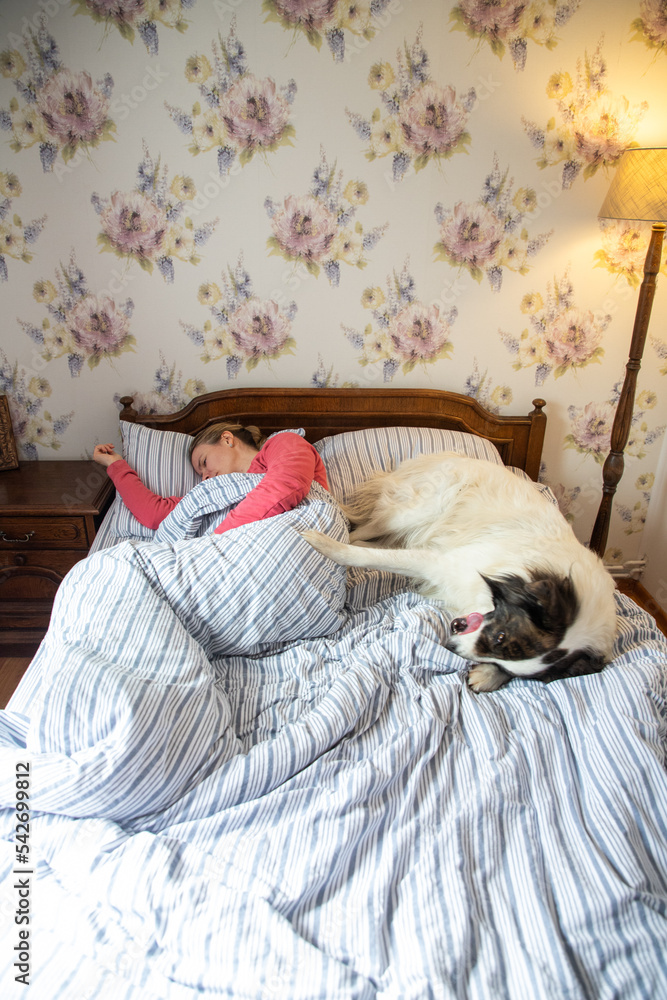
{"x": 637, "y": 192}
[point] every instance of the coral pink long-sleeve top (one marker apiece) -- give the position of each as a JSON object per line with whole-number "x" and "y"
{"x": 289, "y": 465}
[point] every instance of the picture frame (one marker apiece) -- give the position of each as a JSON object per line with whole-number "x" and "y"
{"x": 9, "y": 456}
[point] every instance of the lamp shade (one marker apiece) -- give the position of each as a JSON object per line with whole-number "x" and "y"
{"x": 639, "y": 188}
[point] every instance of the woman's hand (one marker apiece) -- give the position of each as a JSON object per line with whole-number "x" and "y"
{"x": 105, "y": 454}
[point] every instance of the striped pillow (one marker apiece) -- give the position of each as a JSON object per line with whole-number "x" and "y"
{"x": 353, "y": 456}
{"x": 162, "y": 461}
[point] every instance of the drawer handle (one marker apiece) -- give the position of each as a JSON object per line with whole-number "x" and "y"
{"x": 25, "y": 539}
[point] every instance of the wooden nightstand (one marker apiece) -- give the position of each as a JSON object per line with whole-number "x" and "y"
{"x": 49, "y": 515}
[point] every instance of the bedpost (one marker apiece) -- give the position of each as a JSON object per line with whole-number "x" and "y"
{"x": 128, "y": 413}
{"x": 538, "y": 426}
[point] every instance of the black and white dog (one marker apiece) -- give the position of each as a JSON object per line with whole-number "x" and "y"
{"x": 528, "y": 599}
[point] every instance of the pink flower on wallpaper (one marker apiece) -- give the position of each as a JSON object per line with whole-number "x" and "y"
{"x": 493, "y": 19}
{"x": 144, "y": 15}
{"x": 308, "y": 14}
{"x": 601, "y": 132}
{"x": 133, "y": 225}
{"x": 120, "y": 11}
{"x": 471, "y": 235}
{"x": 304, "y": 229}
{"x": 328, "y": 20}
{"x": 98, "y": 326}
{"x": 259, "y": 329}
{"x": 255, "y": 114}
{"x": 651, "y": 26}
{"x": 513, "y": 23}
{"x": 432, "y": 120}
{"x": 73, "y": 109}
{"x": 591, "y": 429}
{"x": 573, "y": 338}
{"x": 418, "y": 332}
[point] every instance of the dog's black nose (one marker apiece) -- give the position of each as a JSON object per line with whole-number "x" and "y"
{"x": 459, "y": 625}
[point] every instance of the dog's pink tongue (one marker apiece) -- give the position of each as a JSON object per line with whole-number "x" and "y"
{"x": 474, "y": 621}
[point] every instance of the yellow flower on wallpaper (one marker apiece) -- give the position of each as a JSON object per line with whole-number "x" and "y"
{"x": 183, "y": 187}
{"x": 16, "y": 238}
{"x": 12, "y": 64}
{"x": 197, "y": 69}
{"x": 44, "y": 291}
{"x": 480, "y": 386}
{"x": 356, "y": 192}
{"x": 381, "y": 76}
{"x": 595, "y": 127}
{"x": 559, "y": 85}
{"x": 209, "y": 294}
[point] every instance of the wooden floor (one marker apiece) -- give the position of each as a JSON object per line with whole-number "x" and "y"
{"x": 13, "y": 668}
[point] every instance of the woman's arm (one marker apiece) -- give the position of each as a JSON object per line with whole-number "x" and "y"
{"x": 148, "y": 508}
{"x": 290, "y": 465}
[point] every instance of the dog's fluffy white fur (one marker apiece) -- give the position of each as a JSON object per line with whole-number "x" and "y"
{"x": 528, "y": 599}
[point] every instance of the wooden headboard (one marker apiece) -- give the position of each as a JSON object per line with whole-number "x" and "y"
{"x": 329, "y": 411}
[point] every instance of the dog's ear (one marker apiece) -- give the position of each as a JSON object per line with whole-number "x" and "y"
{"x": 581, "y": 661}
{"x": 552, "y": 601}
{"x": 508, "y": 589}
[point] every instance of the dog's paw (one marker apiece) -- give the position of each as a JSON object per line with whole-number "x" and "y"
{"x": 486, "y": 677}
{"x": 325, "y": 544}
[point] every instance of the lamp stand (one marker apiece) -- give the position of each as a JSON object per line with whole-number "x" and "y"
{"x": 620, "y": 431}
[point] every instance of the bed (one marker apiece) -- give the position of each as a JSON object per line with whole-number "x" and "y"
{"x": 249, "y": 774}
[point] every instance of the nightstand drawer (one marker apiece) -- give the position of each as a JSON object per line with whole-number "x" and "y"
{"x": 35, "y": 572}
{"x": 25, "y": 533}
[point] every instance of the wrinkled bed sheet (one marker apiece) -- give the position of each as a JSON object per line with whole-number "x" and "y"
{"x": 249, "y": 780}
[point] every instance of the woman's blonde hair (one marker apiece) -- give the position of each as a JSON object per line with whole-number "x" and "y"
{"x": 250, "y": 435}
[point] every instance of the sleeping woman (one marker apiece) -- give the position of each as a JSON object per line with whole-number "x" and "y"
{"x": 288, "y": 462}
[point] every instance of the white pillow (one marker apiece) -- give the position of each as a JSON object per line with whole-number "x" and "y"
{"x": 351, "y": 457}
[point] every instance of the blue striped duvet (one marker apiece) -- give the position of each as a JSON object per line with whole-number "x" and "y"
{"x": 306, "y": 801}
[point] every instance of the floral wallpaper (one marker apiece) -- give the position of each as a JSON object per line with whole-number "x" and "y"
{"x": 200, "y": 194}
